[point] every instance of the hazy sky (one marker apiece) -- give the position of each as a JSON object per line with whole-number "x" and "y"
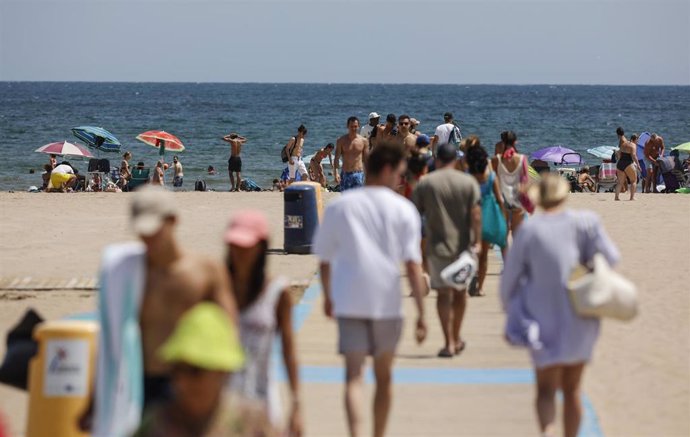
{"x": 423, "y": 41}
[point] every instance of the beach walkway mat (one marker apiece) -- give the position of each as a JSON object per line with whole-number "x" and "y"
{"x": 488, "y": 390}
{"x": 18, "y": 283}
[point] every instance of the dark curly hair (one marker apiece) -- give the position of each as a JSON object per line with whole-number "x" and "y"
{"x": 477, "y": 159}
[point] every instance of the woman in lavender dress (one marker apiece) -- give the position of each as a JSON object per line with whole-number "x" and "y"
{"x": 546, "y": 250}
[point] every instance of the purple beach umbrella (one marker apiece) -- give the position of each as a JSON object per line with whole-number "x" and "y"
{"x": 558, "y": 155}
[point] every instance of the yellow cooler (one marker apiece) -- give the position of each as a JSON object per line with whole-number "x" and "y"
{"x": 60, "y": 377}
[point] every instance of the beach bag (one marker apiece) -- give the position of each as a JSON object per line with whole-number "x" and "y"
{"x": 494, "y": 227}
{"x": 200, "y": 185}
{"x": 666, "y": 164}
{"x": 602, "y": 292}
{"x": 524, "y": 199}
{"x": 455, "y": 136}
{"x": 286, "y": 152}
{"x": 249, "y": 185}
{"x": 460, "y": 273}
{"x": 21, "y": 348}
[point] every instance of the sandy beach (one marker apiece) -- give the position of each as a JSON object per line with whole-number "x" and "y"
{"x": 639, "y": 381}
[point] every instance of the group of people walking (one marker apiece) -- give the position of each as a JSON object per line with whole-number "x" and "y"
{"x": 419, "y": 204}
{"x": 463, "y": 205}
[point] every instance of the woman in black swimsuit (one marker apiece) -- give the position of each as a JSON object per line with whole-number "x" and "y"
{"x": 627, "y": 164}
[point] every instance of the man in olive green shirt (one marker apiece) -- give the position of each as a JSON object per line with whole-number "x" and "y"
{"x": 449, "y": 200}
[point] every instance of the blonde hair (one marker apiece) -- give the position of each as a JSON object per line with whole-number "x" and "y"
{"x": 553, "y": 190}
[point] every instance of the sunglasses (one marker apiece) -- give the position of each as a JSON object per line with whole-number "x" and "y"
{"x": 404, "y": 124}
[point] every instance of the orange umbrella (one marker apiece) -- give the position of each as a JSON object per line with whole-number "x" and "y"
{"x": 161, "y": 140}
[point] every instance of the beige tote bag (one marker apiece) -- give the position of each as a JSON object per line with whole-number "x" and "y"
{"x": 604, "y": 293}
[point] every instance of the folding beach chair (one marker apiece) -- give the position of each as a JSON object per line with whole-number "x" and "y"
{"x": 140, "y": 176}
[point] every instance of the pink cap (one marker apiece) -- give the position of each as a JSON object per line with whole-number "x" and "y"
{"x": 247, "y": 228}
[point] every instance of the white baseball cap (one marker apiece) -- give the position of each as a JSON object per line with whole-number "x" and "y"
{"x": 373, "y": 115}
{"x": 151, "y": 205}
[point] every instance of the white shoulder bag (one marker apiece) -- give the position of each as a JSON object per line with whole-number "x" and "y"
{"x": 603, "y": 292}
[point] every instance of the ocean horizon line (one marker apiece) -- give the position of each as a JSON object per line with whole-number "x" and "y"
{"x": 347, "y": 83}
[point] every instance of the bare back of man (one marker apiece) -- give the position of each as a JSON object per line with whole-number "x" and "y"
{"x": 169, "y": 292}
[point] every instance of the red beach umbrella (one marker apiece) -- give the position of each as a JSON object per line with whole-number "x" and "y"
{"x": 64, "y": 148}
{"x": 161, "y": 140}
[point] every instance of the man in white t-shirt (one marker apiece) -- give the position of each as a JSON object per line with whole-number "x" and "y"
{"x": 365, "y": 235}
{"x": 443, "y": 133}
{"x": 374, "y": 119}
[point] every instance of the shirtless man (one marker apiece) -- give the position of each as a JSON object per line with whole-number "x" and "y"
{"x": 295, "y": 147}
{"x": 354, "y": 149}
{"x": 175, "y": 281}
{"x": 405, "y": 137}
{"x": 235, "y": 162}
{"x": 384, "y": 133}
{"x": 653, "y": 149}
{"x": 179, "y": 175}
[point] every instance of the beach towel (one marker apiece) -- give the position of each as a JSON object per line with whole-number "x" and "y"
{"x": 119, "y": 396}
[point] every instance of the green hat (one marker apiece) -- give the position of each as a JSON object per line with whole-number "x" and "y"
{"x": 204, "y": 337}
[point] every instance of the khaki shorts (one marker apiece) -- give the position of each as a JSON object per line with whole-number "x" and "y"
{"x": 369, "y": 336}
{"x": 435, "y": 266}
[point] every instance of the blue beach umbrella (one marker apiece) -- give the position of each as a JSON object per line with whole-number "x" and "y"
{"x": 603, "y": 152}
{"x": 98, "y": 138}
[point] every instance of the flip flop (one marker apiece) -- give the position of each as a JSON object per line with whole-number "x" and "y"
{"x": 459, "y": 349}
{"x": 445, "y": 353}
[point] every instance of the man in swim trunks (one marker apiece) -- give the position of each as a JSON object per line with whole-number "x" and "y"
{"x": 235, "y": 162}
{"x": 295, "y": 148}
{"x": 653, "y": 149}
{"x": 354, "y": 150}
{"x": 177, "y": 168}
{"x": 316, "y": 172}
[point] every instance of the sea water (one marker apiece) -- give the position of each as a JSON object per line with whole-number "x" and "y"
{"x": 579, "y": 117}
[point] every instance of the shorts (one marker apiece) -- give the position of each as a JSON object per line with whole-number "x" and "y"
{"x": 371, "y": 336}
{"x": 435, "y": 266}
{"x": 58, "y": 180}
{"x": 296, "y": 165}
{"x": 351, "y": 179}
{"x": 177, "y": 181}
{"x": 235, "y": 164}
